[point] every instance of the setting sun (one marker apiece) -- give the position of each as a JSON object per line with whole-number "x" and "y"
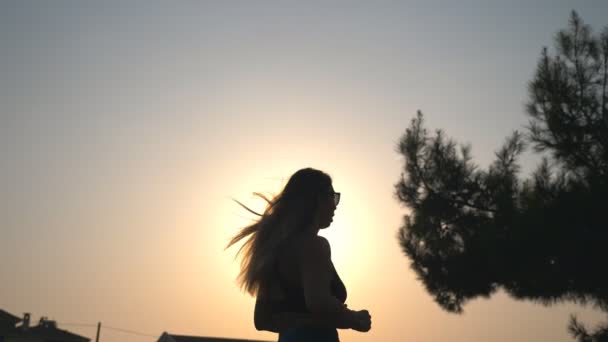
{"x": 128, "y": 129}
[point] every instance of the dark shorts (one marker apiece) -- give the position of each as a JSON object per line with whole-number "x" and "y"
{"x": 309, "y": 335}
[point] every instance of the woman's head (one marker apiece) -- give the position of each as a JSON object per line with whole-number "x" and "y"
{"x": 305, "y": 205}
{"x": 309, "y": 198}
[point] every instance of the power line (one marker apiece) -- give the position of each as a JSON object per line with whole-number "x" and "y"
{"x": 78, "y": 324}
{"x": 126, "y": 331}
{"x": 129, "y": 331}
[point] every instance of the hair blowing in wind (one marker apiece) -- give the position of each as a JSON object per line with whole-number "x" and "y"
{"x": 291, "y": 211}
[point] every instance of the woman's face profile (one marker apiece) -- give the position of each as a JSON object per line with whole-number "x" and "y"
{"x": 327, "y": 207}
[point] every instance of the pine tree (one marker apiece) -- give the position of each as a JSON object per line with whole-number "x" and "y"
{"x": 471, "y": 232}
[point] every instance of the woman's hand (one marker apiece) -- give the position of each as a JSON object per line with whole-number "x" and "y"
{"x": 361, "y": 320}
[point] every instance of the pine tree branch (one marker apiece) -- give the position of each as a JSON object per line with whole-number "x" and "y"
{"x": 604, "y": 45}
{"x": 441, "y": 195}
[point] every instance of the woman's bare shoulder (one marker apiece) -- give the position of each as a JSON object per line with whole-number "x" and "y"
{"x": 312, "y": 246}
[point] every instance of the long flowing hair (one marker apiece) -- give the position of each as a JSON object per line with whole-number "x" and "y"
{"x": 292, "y": 211}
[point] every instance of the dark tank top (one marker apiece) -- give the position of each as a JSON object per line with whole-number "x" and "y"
{"x": 295, "y": 301}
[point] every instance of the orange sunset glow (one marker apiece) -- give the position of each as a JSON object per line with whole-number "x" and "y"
{"x": 128, "y": 129}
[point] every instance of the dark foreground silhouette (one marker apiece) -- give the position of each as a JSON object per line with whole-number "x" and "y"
{"x": 288, "y": 267}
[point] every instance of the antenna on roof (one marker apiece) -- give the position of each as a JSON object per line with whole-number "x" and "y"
{"x": 98, "y": 328}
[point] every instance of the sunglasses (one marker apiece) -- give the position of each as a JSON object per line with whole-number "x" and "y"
{"x": 336, "y": 196}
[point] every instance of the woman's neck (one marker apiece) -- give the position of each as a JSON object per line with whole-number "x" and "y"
{"x": 313, "y": 230}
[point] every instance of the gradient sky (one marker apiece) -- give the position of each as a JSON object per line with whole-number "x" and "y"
{"x": 127, "y": 127}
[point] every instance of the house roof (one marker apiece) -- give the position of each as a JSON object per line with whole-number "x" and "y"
{"x": 7, "y": 317}
{"x": 183, "y": 338}
{"x": 52, "y": 333}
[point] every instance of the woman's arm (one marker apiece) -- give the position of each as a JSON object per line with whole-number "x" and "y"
{"x": 325, "y": 310}
{"x": 265, "y": 319}
{"x": 314, "y": 257}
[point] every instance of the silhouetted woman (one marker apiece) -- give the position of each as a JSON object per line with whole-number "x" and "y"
{"x": 288, "y": 267}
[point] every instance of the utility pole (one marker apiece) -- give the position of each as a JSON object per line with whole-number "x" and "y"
{"x": 98, "y": 328}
